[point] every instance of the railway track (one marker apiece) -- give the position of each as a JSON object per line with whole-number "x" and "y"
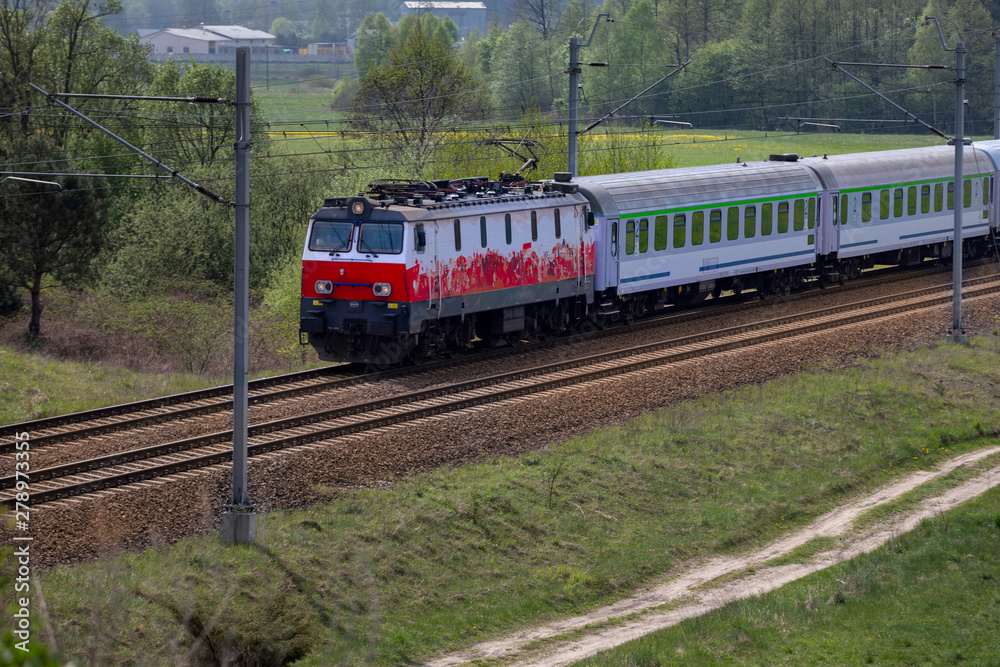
{"x": 79, "y": 425}
{"x": 104, "y": 472}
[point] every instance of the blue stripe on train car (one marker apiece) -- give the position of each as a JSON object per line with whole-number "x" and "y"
{"x": 757, "y": 260}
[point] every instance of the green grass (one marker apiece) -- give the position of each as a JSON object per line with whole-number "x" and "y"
{"x": 453, "y": 556}
{"x": 33, "y": 387}
{"x": 928, "y": 597}
{"x": 690, "y": 148}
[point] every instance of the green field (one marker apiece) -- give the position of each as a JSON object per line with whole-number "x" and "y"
{"x": 447, "y": 558}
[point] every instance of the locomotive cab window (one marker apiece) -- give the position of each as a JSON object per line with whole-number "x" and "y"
{"x": 534, "y": 226}
{"x": 558, "y": 224}
{"x": 419, "y": 238}
{"x": 482, "y": 230}
{"x": 331, "y": 236}
{"x": 379, "y": 237}
{"x": 458, "y": 234}
{"x": 506, "y": 222}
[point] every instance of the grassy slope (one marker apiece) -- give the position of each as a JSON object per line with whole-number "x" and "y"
{"x": 928, "y": 597}
{"x": 33, "y": 387}
{"x": 453, "y": 556}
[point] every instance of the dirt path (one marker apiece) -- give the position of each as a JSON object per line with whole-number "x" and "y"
{"x": 549, "y": 648}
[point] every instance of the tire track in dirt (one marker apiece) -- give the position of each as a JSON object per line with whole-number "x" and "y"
{"x": 689, "y": 598}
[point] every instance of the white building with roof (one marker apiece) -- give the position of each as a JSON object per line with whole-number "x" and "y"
{"x": 468, "y": 16}
{"x": 204, "y": 40}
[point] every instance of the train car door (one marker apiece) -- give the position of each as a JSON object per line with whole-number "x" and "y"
{"x": 827, "y": 227}
{"x": 434, "y": 298}
{"x": 607, "y": 258}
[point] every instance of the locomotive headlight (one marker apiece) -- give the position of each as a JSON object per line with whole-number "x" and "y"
{"x": 324, "y": 287}
{"x": 382, "y": 289}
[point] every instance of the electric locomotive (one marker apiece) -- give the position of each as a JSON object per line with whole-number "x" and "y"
{"x": 417, "y": 268}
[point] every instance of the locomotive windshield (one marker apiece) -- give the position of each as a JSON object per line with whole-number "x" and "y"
{"x": 333, "y": 236}
{"x": 379, "y": 237}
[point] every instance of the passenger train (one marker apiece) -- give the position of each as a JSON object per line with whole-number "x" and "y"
{"x": 417, "y": 268}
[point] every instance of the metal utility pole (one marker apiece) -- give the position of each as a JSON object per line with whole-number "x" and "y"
{"x": 956, "y": 334}
{"x": 996, "y": 86}
{"x": 239, "y": 522}
{"x": 574, "y": 92}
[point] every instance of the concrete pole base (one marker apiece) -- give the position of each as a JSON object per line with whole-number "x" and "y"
{"x": 239, "y": 527}
{"x": 957, "y": 338}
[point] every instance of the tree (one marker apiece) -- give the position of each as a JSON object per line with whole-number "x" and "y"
{"x": 374, "y": 43}
{"x": 43, "y": 232}
{"x": 64, "y": 49}
{"x": 543, "y": 14}
{"x": 199, "y": 131}
{"x": 424, "y": 87}
{"x": 284, "y": 31}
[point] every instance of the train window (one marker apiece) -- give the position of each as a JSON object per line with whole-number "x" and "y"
{"x": 811, "y": 219}
{"x": 331, "y": 236}
{"x": 458, "y": 235}
{"x": 967, "y": 194}
{"x": 630, "y": 237}
{"x": 697, "y": 227}
{"x": 783, "y": 216}
{"x": 884, "y": 204}
{"x": 715, "y": 226}
{"x": 376, "y": 237}
{"x": 766, "y": 219}
{"x": 644, "y": 235}
{"x": 506, "y": 224}
{"x": 866, "y": 207}
{"x": 911, "y": 200}
{"x": 986, "y": 191}
{"x": 680, "y": 230}
{"x": 660, "y": 232}
{"x": 897, "y": 203}
{"x": 558, "y": 224}
{"x": 419, "y": 238}
{"x": 733, "y": 223}
{"x": 749, "y": 222}
{"x": 482, "y": 230}
{"x": 951, "y": 196}
{"x": 534, "y": 226}
{"x": 938, "y": 197}
{"x": 843, "y": 210}
{"x": 800, "y": 215}
{"x": 925, "y": 199}
{"x": 614, "y": 238}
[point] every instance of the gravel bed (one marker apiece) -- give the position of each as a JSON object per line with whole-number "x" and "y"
{"x": 191, "y": 503}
